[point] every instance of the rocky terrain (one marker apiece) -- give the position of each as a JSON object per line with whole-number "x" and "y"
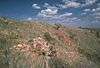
{"x": 25, "y": 44}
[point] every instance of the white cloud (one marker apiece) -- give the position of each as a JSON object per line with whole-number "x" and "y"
{"x": 29, "y": 18}
{"x": 98, "y": 9}
{"x": 98, "y": 17}
{"x": 46, "y": 5}
{"x": 83, "y": 13}
{"x": 73, "y": 3}
{"x": 36, "y": 6}
{"x": 66, "y": 14}
{"x": 93, "y": 10}
{"x": 48, "y": 12}
{"x": 88, "y": 2}
{"x": 96, "y": 14}
{"x": 70, "y": 4}
{"x": 86, "y": 10}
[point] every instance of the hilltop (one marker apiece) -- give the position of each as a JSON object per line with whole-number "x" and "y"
{"x": 25, "y": 44}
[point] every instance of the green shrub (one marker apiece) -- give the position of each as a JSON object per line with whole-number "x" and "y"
{"x": 4, "y": 45}
{"x": 57, "y": 26}
{"x": 72, "y": 35}
{"x": 47, "y": 36}
{"x": 90, "y": 55}
{"x": 98, "y": 34}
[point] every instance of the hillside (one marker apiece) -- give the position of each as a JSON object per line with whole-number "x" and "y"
{"x": 25, "y": 44}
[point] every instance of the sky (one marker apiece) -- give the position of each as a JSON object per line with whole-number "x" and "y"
{"x": 70, "y": 12}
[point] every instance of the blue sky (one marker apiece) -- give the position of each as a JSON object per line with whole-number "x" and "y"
{"x": 76, "y": 12}
{"x": 21, "y": 8}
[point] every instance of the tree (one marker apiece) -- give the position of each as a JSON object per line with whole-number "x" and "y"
{"x": 98, "y": 34}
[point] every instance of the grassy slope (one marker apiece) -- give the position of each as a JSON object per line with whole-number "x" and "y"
{"x": 88, "y": 43}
